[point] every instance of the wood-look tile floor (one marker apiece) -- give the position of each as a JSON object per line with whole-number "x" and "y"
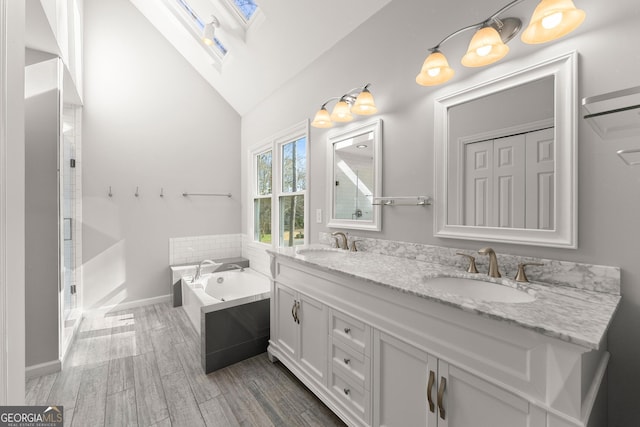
{"x": 141, "y": 367}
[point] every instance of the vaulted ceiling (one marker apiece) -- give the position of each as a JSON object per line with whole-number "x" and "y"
{"x": 282, "y": 39}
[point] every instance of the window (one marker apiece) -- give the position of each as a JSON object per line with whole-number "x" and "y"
{"x": 262, "y": 200}
{"x": 280, "y": 189}
{"x": 294, "y": 184}
{"x": 245, "y": 8}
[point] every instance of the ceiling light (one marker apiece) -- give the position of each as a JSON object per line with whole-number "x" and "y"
{"x": 357, "y": 101}
{"x": 209, "y": 31}
{"x": 551, "y": 20}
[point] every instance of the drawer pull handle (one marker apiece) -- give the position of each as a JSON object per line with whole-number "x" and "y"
{"x": 347, "y": 330}
{"x": 293, "y": 311}
{"x": 443, "y": 385}
{"x": 346, "y": 391}
{"x": 297, "y": 308}
{"x": 432, "y": 379}
{"x": 347, "y": 361}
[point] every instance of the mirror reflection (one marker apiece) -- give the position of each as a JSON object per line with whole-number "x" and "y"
{"x": 353, "y": 178}
{"x": 505, "y": 156}
{"x": 501, "y": 163}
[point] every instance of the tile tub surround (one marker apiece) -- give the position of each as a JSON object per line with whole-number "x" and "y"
{"x": 193, "y": 249}
{"x": 590, "y": 277}
{"x": 570, "y": 314}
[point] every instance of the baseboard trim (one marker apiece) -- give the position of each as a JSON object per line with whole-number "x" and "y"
{"x": 101, "y": 311}
{"x": 41, "y": 369}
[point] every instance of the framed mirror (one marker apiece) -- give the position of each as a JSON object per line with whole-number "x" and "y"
{"x": 506, "y": 160}
{"x": 355, "y": 173}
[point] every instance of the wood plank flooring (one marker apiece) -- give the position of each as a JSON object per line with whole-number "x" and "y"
{"x": 141, "y": 367}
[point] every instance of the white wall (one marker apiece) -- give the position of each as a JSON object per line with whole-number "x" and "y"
{"x": 388, "y": 51}
{"x": 12, "y": 259}
{"x": 150, "y": 122}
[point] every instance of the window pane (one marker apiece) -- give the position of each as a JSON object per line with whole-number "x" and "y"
{"x": 292, "y": 220}
{"x": 246, "y": 7}
{"x": 294, "y": 166}
{"x": 264, "y": 173}
{"x": 262, "y": 220}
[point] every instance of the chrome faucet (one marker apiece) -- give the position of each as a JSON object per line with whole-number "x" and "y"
{"x": 493, "y": 261}
{"x": 345, "y": 243}
{"x": 199, "y": 268}
{"x": 236, "y": 267}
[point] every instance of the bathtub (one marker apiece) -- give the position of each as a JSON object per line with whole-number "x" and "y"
{"x": 230, "y": 312}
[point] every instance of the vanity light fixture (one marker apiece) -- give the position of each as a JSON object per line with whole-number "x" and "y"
{"x": 551, "y": 20}
{"x": 356, "y": 101}
{"x": 209, "y": 31}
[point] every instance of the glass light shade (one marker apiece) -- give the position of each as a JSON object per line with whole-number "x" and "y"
{"x": 364, "y": 104}
{"x": 322, "y": 119}
{"x": 486, "y": 47}
{"x": 208, "y": 32}
{"x": 551, "y": 20}
{"x": 435, "y": 70}
{"x": 341, "y": 112}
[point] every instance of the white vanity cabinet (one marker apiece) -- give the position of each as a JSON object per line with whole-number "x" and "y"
{"x": 301, "y": 331}
{"x": 377, "y": 356}
{"x": 436, "y": 393}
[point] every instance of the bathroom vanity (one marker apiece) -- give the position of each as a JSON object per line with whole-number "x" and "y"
{"x": 379, "y": 346}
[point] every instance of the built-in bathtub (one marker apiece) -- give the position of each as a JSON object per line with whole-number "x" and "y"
{"x": 230, "y": 311}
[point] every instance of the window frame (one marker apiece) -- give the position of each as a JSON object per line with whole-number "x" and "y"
{"x": 276, "y": 144}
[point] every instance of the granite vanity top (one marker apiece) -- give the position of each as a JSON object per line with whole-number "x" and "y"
{"x": 574, "y": 315}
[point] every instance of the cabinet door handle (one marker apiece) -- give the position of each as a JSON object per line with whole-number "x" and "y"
{"x": 346, "y": 391}
{"x": 443, "y": 385}
{"x": 347, "y": 361}
{"x": 432, "y": 379}
{"x": 347, "y": 330}
{"x": 293, "y": 311}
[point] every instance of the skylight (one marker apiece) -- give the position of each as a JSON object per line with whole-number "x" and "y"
{"x": 246, "y": 8}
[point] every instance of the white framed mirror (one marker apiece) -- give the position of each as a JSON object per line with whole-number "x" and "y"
{"x": 506, "y": 158}
{"x": 355, "y": 176}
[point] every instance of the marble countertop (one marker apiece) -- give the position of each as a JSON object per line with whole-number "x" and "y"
{"x": 574, "y": 315}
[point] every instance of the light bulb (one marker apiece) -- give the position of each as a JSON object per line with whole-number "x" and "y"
{"x": 484, "y": 50}
{"x": 552, "y": 21}
{"x": 433, "y": 71}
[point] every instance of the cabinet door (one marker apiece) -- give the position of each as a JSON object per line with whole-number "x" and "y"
{"x": 313, "y": 337}
{"x": 286, "y": 329}
{"x": 470, "y": 401}
{"x": 401, "y": 384}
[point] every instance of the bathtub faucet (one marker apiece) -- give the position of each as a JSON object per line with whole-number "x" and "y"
{"x": 199, "y": 268}
{"x": 235, "y": 267}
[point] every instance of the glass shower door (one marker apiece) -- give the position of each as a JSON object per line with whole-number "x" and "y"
{"x": 69, "y": 201}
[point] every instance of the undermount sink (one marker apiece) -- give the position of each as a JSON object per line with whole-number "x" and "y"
{"x": 479, "y": 290}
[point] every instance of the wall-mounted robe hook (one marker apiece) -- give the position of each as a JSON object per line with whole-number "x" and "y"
{"x": 110, "y": 193}
{"x": 137, "y": 192}
{"x": 161, "y": 192}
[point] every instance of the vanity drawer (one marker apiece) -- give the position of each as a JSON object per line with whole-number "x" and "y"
{"x": 351, "y": 331}
{"x": 351, "y": 396}
{"x": 351, "y": 362}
